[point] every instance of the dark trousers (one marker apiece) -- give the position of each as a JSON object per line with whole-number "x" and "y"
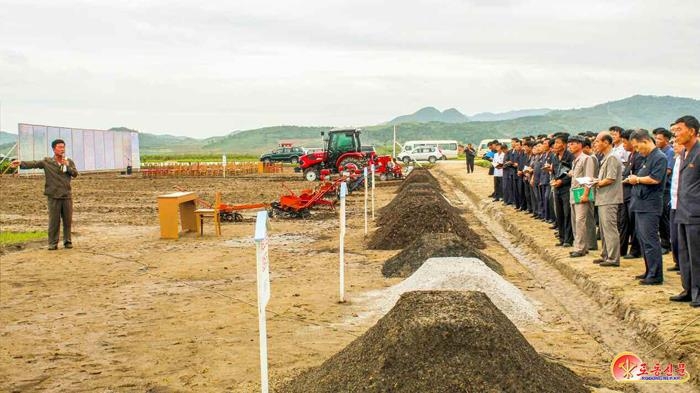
{"x": 528, "y": 197}
{"x": 470, "y": 164}
{"x": 60, "y": 210}
{"x": 497, "y": 188}
{"x": 628, "y": 236}
{"x": 664, "y": 224}
{"x": 647, "y": 225}
{"x": 508, "y": 187}
{"x": 563, "y": 209}
{"x": 689, "y": 258}
{"x": 519, "y": 192}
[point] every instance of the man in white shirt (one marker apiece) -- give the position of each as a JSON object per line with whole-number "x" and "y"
{"x": 498, "y": 172}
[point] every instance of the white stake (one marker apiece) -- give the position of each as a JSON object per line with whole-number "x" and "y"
{"x": 262, "y": 225}
{"x": 366, "y": 186}
{"x": 343, "y": 193}
{"x": 223, "y": 160}
{"x": 372, "y": 191}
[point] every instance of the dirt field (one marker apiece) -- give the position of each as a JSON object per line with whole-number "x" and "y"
{"x": 127, "y": 311}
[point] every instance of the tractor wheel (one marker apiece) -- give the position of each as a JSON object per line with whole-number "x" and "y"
{"x": 383, "y": 177}
{"x": 294, "y": 160}
{"x": 266, "y": 161}
{"x": 351, "y": 163}
{"x": 432, "y": 159}
{"x": 311, "y": 174}
{"x": 406, "y": 160}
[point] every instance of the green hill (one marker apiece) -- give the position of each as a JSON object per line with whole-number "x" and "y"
{"x": 633, "y": 112}
{"x": 430, "y": 114}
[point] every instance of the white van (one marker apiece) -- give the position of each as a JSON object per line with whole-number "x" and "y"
{"x": 483, "y": 146}
{"x": 448, "y": 148}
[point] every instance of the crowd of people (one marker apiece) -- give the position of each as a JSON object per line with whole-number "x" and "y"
{"x": 635, "y": 190}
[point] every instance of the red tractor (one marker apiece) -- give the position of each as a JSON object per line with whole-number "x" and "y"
{"x": 342, "y": 151}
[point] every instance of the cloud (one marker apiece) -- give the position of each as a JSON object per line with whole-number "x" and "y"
{"x": 205, "y": 68}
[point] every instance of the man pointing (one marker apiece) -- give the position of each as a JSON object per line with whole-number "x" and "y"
{"x": 58, "y": 172}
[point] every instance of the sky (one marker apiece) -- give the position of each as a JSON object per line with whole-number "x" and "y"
{"x": 208, "y": 68}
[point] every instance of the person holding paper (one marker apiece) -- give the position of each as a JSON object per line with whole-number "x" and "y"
{"x": 58, "y": 172}
{"x": 583, "y": 166}
{"x": 647, "y": 204}
{"x": 608, "y": 198}
{"x": 561, "y": 185}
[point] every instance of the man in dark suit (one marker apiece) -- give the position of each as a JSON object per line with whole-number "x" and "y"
{"x": 647, "y": 204}
{"x": 687, "y": 215}
{"x": 561, "y": 184}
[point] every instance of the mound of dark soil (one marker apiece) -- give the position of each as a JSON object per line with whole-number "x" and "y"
{"x": 419, "y": 175}
{"x": 439, "y": 341}
{"x": 422, "y": 213}
{"x": 411, "y": 198}
{"x": 432, "y": 245}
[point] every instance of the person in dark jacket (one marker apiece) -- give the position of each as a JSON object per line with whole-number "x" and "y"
{"x": 470, "y": 153}
{"x": 561, "y": 184}
{"x": 647, "y": 204}
{"x": 687, "y": 215}
{"x": 58, "y": 172}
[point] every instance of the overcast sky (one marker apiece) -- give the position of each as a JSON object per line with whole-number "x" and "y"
{"x": 203, "y": 68}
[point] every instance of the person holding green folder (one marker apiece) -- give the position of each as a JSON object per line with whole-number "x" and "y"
{"x": 583, "y": 166}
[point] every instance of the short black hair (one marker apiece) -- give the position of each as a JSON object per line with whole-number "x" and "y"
{"x": 564, "y": 138}
{"x": 626, "y": 134}
{"x": 666, "y": 133}
{"x": 690, "y": 122}
{"x": 641, "y": 135}
{"x": 586, "y": 142}
{"x": 56, "y": 142}
{"x": 617, "y": 129}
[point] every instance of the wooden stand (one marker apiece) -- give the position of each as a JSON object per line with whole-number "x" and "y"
{"x": 168, "y": 207}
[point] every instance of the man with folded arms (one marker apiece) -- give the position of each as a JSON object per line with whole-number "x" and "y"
{"x": 607, "y": 199}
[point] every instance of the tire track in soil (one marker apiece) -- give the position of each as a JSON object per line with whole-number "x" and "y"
{"x": 602, "y": 326}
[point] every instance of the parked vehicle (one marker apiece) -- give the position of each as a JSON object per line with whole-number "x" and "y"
{"x": 449, "y": 148}
{"x": 284, "y": 154}
{"x": 368, "y": 149}
{"x": 483, "y": 146}
{"x": 422, "y": 153}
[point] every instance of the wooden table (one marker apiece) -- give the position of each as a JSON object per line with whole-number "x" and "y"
{"x": 168, "y": 207}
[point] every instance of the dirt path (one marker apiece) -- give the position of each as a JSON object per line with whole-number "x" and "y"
{"x": 125, "y": 311}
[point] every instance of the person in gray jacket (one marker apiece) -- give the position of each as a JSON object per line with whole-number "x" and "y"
{"x": 58, "y": 172}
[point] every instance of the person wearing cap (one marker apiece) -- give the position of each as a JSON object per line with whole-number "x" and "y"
{"x": 583, "y": 166}
{"x": 58, "y": 172}
{"x": 687, "y": 215}
{"x": 647, "y": 204}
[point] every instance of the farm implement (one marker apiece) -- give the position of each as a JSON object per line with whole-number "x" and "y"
{"x": 292, "y": 205}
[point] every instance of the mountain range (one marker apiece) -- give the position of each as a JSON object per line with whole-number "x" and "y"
{"x": 430, "y": 123}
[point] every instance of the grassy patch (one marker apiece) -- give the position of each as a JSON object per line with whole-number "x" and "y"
{"x": 7, "y": 238}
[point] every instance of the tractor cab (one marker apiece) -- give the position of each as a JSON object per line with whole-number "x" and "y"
{"x": 339, "y": 142}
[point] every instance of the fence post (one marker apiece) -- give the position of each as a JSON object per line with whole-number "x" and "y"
{"x": 372, "y": 191}
{"x": 343, "y": 194}
{"x": 366, "y": 186}
{"x": 262, "y": 225}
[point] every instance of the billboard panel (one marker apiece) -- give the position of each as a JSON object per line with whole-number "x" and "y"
{"x": 91, "y": 150}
